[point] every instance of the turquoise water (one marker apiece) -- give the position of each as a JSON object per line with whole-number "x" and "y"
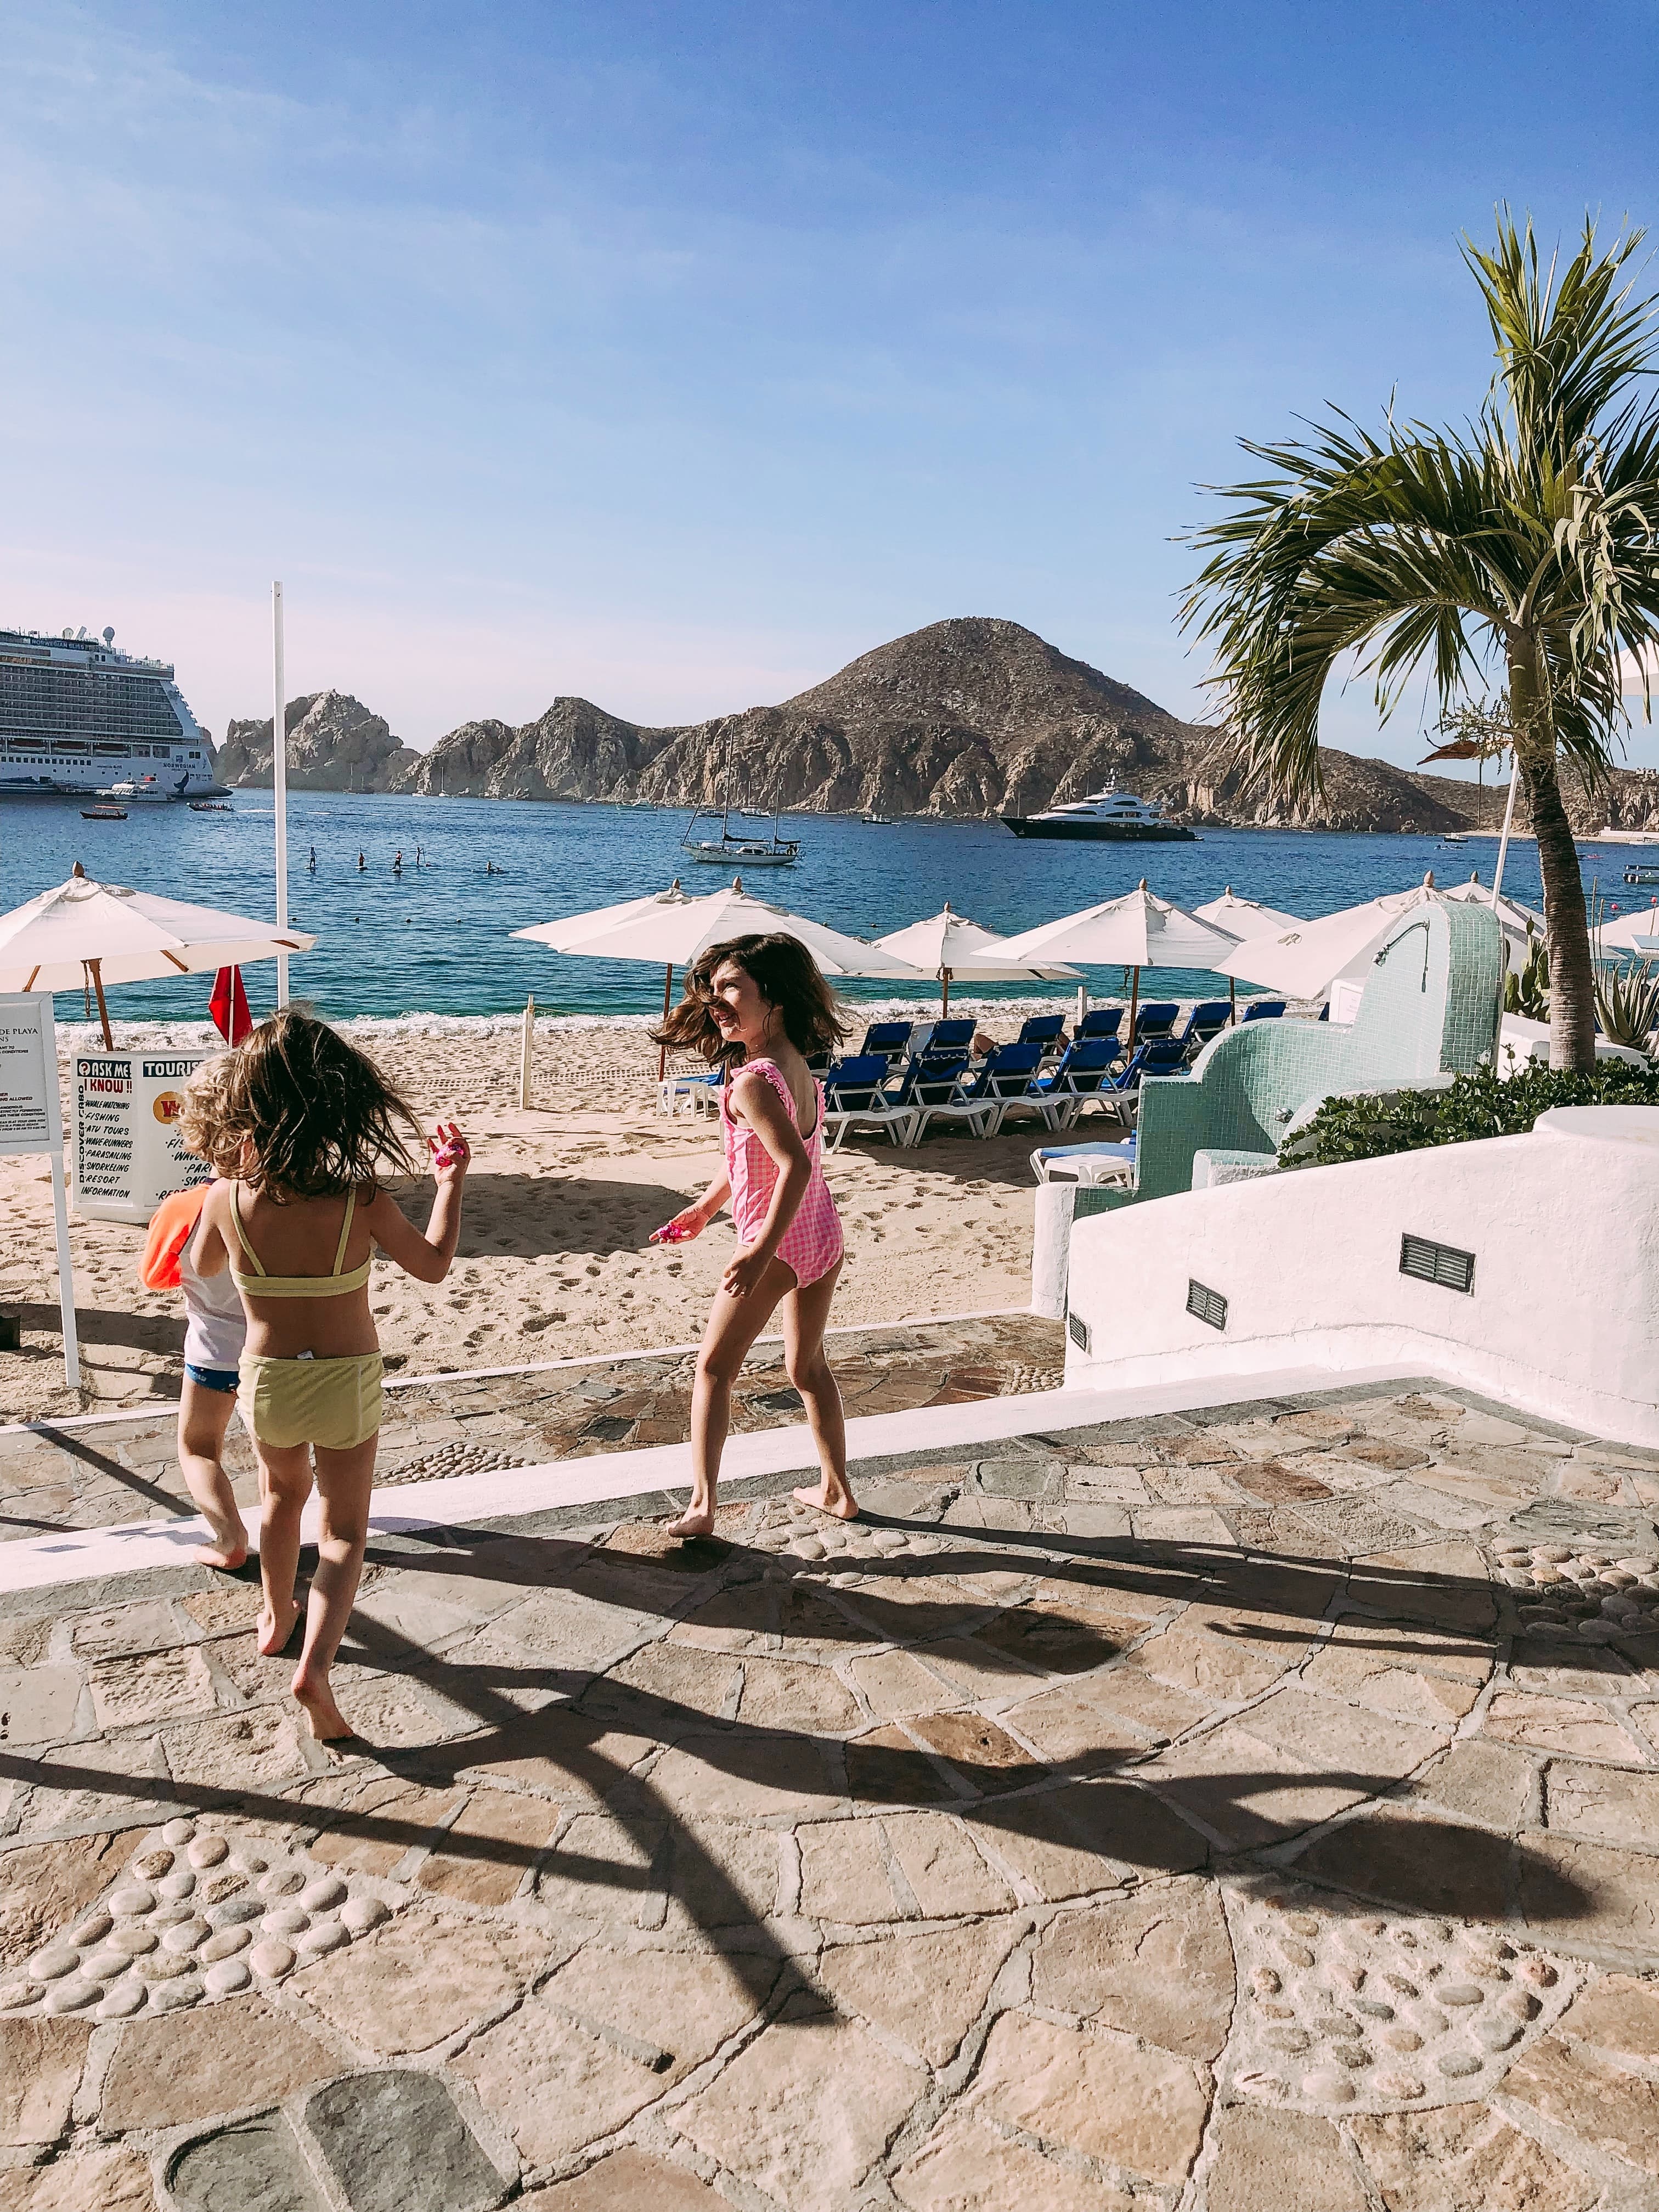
{"x": 436, "y": 939}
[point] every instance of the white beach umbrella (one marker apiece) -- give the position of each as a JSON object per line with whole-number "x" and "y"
{"x": 1635, "y": 932}
{"x": 1244, "y": 917}
{"x": 1138, "y": 931}
{"x": 1304, "y": 962}
{"x": 1513, "y": 917}
{"x": 955, "y": 950}
{"x": 84, "y": 931}
{"x": 675, "y": 929}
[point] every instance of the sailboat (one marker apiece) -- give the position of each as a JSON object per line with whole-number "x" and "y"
{"x": 738, "y": 847}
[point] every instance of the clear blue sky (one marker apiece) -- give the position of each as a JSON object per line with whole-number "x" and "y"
{"x": 673, "y": 355}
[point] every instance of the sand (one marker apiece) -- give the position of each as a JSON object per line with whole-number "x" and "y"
{"x": 553, "y": 1260}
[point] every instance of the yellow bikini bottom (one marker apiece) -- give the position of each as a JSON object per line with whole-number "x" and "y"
{"x": 333, "y": 1402}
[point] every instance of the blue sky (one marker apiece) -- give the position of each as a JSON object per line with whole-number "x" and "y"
{"x": 673, "y": 355}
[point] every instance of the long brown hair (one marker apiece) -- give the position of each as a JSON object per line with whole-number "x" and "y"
{"x": 299, "y": 1113}
{"x": 787, "y": 977}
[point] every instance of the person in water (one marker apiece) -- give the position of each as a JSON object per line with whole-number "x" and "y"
{"x": 299, "y": 1130}
{"x": 311, "y": 862}
{"x": 398, "y": 862}
{"x": 361, "y": 863}
{"x": 759, "y": 1005}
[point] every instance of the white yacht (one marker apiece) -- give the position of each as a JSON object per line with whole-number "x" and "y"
{"x": 1107, "y": 816}
{"x": 78, "y": 717}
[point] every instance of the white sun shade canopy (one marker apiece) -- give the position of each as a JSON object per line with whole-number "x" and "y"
{"x": 50, "y": 943}
{"x": 948, "y": 944}
{"x": 672, "y": 929}
{"x": 1511, "y": 914}
{"x": 1138, "y": 930}
{"x": 1635, "y": 932}
{"x": 1244, "y": 917}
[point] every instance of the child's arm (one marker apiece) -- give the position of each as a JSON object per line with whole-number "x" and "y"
{"x": 427, "y": 1258}
{"x": 209, "y": 1253}
{"x": 693, "y": 1219}
{"x": 756, "y": 1101}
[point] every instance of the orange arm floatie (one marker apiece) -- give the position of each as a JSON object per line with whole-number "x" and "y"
{"x": 171, "y": 1228}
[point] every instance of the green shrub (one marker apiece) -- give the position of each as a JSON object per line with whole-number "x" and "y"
{"x": 1472, "y": 1106}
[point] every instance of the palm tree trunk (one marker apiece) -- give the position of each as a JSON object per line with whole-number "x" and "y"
{"x": 1572, "y": 979}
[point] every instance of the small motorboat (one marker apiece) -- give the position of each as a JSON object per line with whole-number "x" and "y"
{"x": 877, "y": 821}
{"x": 210, "y": 806}
{"x": 103, "y": 813}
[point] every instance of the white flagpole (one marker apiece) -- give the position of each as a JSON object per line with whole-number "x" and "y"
{"x": 1504, "y": 841}
{"x": 279, "y": 780}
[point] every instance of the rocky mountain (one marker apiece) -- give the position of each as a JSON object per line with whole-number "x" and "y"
{"x": 334, "y": 744}
{"x": 970, "y": 717}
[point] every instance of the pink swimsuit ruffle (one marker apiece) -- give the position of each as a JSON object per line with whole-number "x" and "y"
{"x": 812, "y": 1243}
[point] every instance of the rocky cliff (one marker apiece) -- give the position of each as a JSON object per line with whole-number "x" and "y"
{"x": 334, "y": 744}
{"x": 971, "y": 717}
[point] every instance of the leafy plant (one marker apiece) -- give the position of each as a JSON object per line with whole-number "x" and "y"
{"x": 1627, "y": 1004}
{"x": 1527, "y": 991}
{"x": 1471, "y": 1107}
{"x": 1527, "y": 544}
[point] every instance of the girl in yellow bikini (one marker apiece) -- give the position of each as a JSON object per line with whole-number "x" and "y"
{"x": 299, "y": 1129}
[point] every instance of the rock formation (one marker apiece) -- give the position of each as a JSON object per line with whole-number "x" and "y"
{"x": 968, "y": 718}
{"x": 334, "y": 744}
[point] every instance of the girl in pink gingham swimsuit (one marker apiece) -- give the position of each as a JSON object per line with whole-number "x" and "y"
{"x": 812, "y": 1244}
{"x": 759, "y": 1005}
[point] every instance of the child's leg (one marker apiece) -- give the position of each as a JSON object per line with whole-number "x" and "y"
{"x": 284, "y": 1486}
{"x": 805, "y": 1317}
{"x": 203, "y": 1420}
{"x": 733, "y": 1325}
{"x": 343, "y": 1481}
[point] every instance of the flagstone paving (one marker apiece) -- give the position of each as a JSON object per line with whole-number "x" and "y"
{"x": 1225, "y": 1813}
{"x": 112, "y": 1472}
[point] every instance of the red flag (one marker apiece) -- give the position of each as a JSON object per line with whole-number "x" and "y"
{"x": 229, "y": 1006}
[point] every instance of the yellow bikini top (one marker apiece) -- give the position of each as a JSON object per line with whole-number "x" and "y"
{"x": 260, "y": 1285}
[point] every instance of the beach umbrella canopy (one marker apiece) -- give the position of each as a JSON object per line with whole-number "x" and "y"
{"x": 1511, "y": 914}
{"x": 1244, "y": 917}
{"x": 1304, "y": 962}
{"x": 1635, "y": 932}
{"x": 1138, "y": 931}
{"x": 675, "y": 929}
{"x": 85, "y": 931}
{"x": 949, "y": 946}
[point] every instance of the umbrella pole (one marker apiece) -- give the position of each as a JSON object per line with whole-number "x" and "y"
{"x": 667, "y": 1003}
{"x": 1134, "y": 1005}
{"x": 1232, "y": 998}
{"x": 279, "y": 781}
{"x": 94, "y": 968}
{"x": 944, "y": 989}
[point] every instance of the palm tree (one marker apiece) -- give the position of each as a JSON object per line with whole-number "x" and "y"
{"x": 1527, "y": 545}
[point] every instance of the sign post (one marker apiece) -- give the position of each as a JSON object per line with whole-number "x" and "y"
{"x": 31, "y": 1121}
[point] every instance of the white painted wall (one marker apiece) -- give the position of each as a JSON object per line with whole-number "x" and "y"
{"x": 1563, "y": 1320}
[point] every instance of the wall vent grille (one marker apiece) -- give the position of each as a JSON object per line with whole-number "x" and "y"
{"x": 1428, "y": 1262}
{"x": 1206, "y": 1305}
{"x": 1077, "y": 1328}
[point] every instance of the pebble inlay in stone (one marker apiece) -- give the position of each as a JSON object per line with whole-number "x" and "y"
{"x": 1583, "y": 1590}
{"x": 1304, "y": 1968}
{"x": 173, "y": 1947}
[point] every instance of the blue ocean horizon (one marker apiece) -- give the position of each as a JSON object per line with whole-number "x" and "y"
{"x": 436, "y": 940}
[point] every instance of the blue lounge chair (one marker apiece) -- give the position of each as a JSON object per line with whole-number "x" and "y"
{"x": 930, "y": 1080}
{"x": 952, "y": 1037}
{"x": 1160, "y": 1057}
{"x": 855, "y": 1092}
{"x": 1007, "y": 1074}
{"x": 700, "y": 1092}
{"x": 1078, "y": 1077}
{"x": 1047, "y": 1029}
{"x": 1156, "y": 1020}
{"x": 892, "y": 1038}
{"x": 1207, "y": 1019}
{"x": 1092, "y": 1163}
{"x": 1263, "y": 1010}
{"x": 1099, "y": 1022}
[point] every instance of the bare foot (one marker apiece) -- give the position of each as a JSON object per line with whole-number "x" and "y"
{"x": 328, "y": 1722}
{"x": 839, "y": 1504}
{"x": 692, "y": 1523}
{"x": 228, "y": 1556}
{"x": 275, "y": 1631}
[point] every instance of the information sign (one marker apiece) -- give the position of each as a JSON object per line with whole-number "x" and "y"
{"x": 129, "y": 1155}
{"x": 31, "y": 1121}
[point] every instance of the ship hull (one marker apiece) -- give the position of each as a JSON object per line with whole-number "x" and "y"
{"x": 1100, "y": 832}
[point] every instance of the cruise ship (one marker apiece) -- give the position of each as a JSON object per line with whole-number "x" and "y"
{"x": 1110, "y": 817}
{"x": 78, "y": 717}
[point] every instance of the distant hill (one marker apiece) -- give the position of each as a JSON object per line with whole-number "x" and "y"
{"x": 972, "y": 717}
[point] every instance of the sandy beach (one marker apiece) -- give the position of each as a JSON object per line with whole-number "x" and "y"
{"x": 553, "y": 1260}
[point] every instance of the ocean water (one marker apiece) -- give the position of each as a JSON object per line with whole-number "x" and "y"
{"x": 435, "y": 941}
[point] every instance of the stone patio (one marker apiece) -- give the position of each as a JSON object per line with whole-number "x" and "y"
{"x": 99, "y": 1473}
{"x": 1245, "y": 1810}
